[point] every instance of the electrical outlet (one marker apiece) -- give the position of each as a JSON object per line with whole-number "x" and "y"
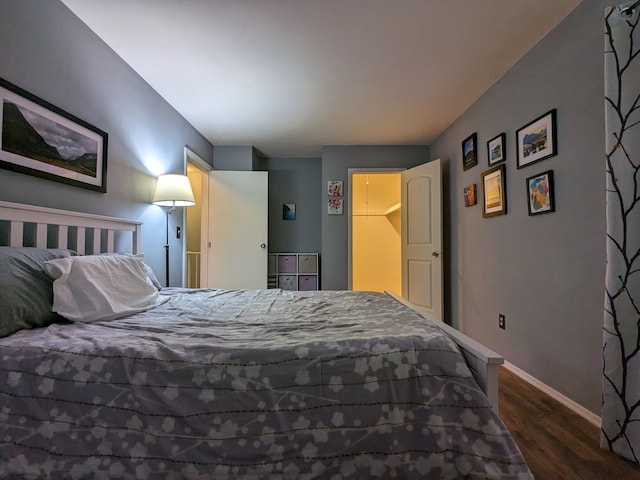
{"x": 501, "y": 323}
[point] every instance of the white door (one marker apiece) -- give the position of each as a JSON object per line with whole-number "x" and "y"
{"x": 238, "y": 226}
{"x": 422, "y": 237}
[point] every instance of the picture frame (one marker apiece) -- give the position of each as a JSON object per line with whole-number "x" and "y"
{"x": 470, "y": 195}
{"x": 288, "y": 211}
{"x": 496, "y": 152}
{"x": 494, "y": 198}
{"x": 540, "y": 193}
{"x": 40, "y": 139}
{"x": 537, "y": 140}
{"x": 470, "y": 151}
{"x": 334, "y": 188}
{"x": 334, "y": 206}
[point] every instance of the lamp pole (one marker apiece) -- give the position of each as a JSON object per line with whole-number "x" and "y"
{"x": 166, "y": 245}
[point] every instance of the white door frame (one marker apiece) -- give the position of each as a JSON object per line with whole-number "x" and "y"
{"x": 350, "y": 173}
{"x": 197, "y": 161}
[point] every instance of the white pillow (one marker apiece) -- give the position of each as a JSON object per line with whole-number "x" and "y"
{"x": 151, "y": 276}
{"x": 100, "y": 287}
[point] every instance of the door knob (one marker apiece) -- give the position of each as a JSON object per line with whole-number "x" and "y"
{"x": 435, "y": 253}
{"x": 263, "y": 245}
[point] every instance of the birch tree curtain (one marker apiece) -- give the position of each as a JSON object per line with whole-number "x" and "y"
{"x": 621, "y": 334}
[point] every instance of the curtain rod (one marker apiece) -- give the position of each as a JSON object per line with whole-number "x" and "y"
{"x": 628, "y": 8}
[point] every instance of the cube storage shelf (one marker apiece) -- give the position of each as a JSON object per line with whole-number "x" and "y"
{"x": 293, "y": 271}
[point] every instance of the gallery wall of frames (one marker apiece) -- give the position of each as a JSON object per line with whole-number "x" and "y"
{"x": 536, "y": 141}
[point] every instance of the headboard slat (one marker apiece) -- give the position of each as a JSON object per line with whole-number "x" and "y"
{"x": 110, "y": 240}
{"x": 81, "y": 241}
{"x": 41, "y": 235}
{"x": 17, "y": 234}
{"x": 97, "y": 234}
{"x": 63, "y": 236}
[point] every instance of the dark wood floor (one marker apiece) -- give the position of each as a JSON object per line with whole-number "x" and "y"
{"x": 556, "y": 442}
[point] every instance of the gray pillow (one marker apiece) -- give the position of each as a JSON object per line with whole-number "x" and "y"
{"x": 26, "y": 292}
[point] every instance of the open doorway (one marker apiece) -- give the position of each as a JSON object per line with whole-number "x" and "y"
{"x": 420, "y": 212}
{"x": 196, "y": 222}
{"x": 375, "y": 231}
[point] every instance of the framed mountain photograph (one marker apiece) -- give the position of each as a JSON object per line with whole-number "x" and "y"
{"x": 537, "y": 140}
{"x": 40, "y": 139}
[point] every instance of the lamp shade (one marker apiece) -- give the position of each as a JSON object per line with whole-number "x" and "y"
{"x": 173, "y": 190}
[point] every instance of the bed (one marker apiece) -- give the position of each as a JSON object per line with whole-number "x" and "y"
{"x": 210, "y": 383}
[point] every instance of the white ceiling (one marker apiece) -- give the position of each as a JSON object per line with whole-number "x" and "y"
{"x": 288, "y": 76}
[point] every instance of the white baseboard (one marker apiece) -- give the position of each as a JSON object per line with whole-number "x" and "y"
{"x": 567, "y": 402}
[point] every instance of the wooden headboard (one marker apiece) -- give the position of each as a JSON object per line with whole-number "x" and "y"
{"x": 53, "y": 228}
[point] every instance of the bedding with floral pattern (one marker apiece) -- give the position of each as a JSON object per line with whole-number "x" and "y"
{"x": 248, "y": 384}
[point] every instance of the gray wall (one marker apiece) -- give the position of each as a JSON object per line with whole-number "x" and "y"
{"x": 295, "y": 180}
{"x": 235, "y": 158}
{"x": 49, "y": 52}
{"x": 545, "y": 273}
{"x": 336, "y": 160}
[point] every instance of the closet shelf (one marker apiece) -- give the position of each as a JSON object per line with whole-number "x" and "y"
{"x": 377, "y": 213}
{"x": 392, "y": 208}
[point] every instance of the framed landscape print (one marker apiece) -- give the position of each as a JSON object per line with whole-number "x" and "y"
{"x": 537, "y": 140}
{"x": 469, "y": 152}
{"x": 496, "y": 149}
{"x": 540, "y": 196}
{"x": 494, "y": 198}
{"x": 40, "y": 139}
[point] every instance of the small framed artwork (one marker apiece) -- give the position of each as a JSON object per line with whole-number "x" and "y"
{"x": 469, "y": 151}
{"x": 540, "y": 196}
{"x": 42, "y": 140}
{"x": 288, "y": 211}
{"x": 537, "y": 140}
{"x": 334, "y": 188}
{"x": 334, "y": 206}
{"x": 496, "y": 149}
{"x": 494, "y": 198}
{"x": 470, "y": 195}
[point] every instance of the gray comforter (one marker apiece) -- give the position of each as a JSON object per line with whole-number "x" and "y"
{"x": 248, "y": 384}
